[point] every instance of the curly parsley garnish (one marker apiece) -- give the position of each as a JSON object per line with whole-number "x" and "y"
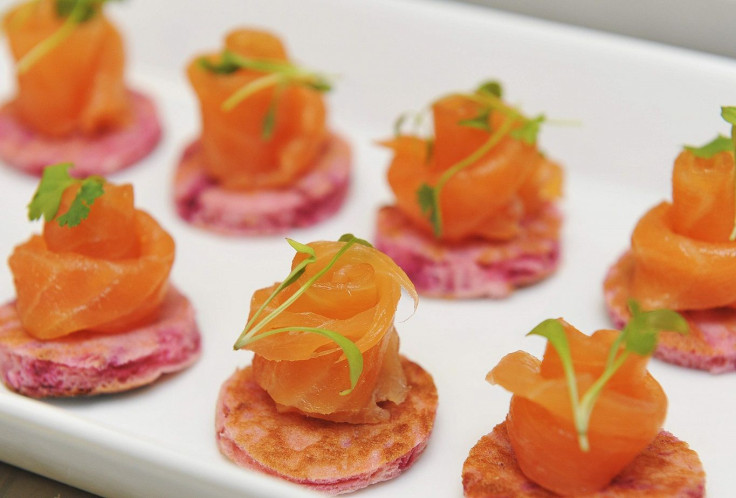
{"x": 279, "y": 75}
{"x": 250, "y": 332}
{"x": 76, "y": 12}
{"x": 638, "y": 337}
{"x": 718, "y": 145}
{"x": 488, "y": 96}
{"x": 47, "y": 199}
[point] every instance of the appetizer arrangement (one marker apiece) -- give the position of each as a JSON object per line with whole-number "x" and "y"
{"x": 72, "y": 103}
{"x": 683, "y": 257}
{"x": 585, "y": 420}
{"x": 94, "y": 311}
{"x": 265, "y": 161}
{"x": 475, "y": 212}
{"x": 328, "y": 401}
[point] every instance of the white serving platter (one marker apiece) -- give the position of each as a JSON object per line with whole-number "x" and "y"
{"x": 636, "y": 104}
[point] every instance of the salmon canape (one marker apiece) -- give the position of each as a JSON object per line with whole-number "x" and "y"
{"x": 328, "y": 402}
{"x": 475, "y": 212}
{"x": 586, "y": 420}
{"x": 72, "y": 103}
{"x": 683, "y": 257}
{"x": 265, "y": 161}
{"x": 94, "y": 311}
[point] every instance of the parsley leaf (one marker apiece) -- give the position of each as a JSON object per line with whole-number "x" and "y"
{"x": 47, "y": 198}
{"x": 86, "y": 8}
{"x": 45, "y": 202}
{"x": 479, "y": 122}
{"x": 429, "y": 204}
{"x": 728, "y": 113}
{"x": 715, "y": 146}
{"x": 641, "y": 332}
{"x": 349, "y": 237}
{"x": 80, "y": 206}
{"x": 529, "y": 130}
{"x": 224, "y": 66}
{"x": 490, "y": 88}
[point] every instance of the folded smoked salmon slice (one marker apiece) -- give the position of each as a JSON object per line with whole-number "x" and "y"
{"x": 107, "y": 274}
{"x": 76, "y": 87}
{"x": 357, "y": 298}
{"x": 684, "y": 259}
{"x": 490, "y": 198}
{"x": 625, "y": 419}
{"x": 238, "y": 153}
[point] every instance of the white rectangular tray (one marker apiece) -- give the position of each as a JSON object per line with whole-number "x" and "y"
{"x": 636, "y": 103}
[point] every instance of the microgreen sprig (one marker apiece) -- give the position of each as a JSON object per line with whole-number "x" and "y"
{"x": 47, "y": 199}
{"x": 279, "y": 74}
{"x": 718, "y": 145}
{"x": 76, "y": 12}
{"x": 638, "y": 337}
{"x": 488, "y": 95}
{"x": 251, "y": 331}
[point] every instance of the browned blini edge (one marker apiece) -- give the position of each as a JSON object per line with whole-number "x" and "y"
{"x": 477, "y": 268}
{"x": 711, "y": 343}
{"x": 326, "y": 456}
{"x": 667, "y": 467}
{"x": 315, "y": 196}
{"x": 101, "y": 154}
{"x": 87, "y": 363}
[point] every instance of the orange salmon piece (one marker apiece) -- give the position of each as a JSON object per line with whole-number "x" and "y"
{"x": 703, "y": 196}
{"x": 678, "y": 272}
{"x": 236, "y": 153}
{"x": 681, "y": 255}
{"x": 489, "y": 198}
{"x": 66, "y": 284}
{"x": 78, "y": 86}
{"x": 357, "y": 298}
{"x": 627, "y": 416}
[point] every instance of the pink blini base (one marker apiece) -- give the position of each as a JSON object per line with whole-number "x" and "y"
{"x": 30, "y": 152}
{"x": 314, "y": 197}
{"x": 711, "y": 343}
{"x": 87, "y": 363}
{"x": 329, "y": 457}
{"x": 472, "y": 269}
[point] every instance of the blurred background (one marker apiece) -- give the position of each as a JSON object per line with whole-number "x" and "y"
{"x": 706, "y": 25}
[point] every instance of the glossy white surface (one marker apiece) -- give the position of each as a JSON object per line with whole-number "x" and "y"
{"x": 636, "y": 104}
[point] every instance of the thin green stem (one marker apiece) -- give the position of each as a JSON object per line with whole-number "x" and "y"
{"x": 614, "y": 349}
{"x": 584, "y": 409}
{"x": 571, "y": 378}
{"x": 247, "y": 334}
{"x": 264, "y": 65}
{"x": 299, "y": 269}
{"x": 492, "y": 141}
{"x": 246, "y": 91}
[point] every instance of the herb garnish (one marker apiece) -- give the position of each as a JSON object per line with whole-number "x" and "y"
{"x": 76, "y": 13}
{"x": 638, "y": 337}
{"x": 280, "y": 74}
{"x": 47, "y": 199}
{"x": 488, "y": 95}
{"x": 351, "y": 351}
{"x": 718, "y": 145}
